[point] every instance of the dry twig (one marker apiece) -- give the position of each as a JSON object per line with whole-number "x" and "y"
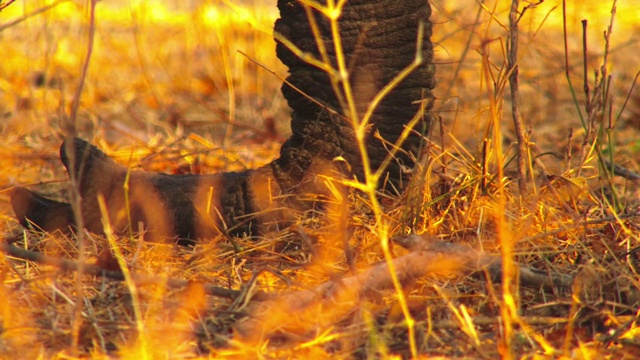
{"x": 515, "y": 110}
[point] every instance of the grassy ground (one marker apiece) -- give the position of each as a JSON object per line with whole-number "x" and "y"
{"x": 167, "y": 90}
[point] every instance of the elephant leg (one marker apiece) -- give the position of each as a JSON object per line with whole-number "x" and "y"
{"x": 379, "y": 40}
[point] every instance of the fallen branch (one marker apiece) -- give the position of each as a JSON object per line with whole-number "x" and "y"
{"x": 297, "y": 311}
{"x": 495, "y": 320}
{"x": 622, "y": 171}
{"x": 428, "y": 257}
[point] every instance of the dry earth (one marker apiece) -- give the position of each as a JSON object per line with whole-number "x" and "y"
{"x": 167, "y": 89}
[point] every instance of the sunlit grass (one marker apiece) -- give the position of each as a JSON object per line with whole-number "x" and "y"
{"x": 164, "y": 83}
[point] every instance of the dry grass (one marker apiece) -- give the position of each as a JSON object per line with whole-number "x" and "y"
{"x": 165, "y": 83}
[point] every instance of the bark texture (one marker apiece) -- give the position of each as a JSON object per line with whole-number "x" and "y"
{"x": 379, "y": 40}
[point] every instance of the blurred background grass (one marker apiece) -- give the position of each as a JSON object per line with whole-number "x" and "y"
{"x": 170, "y": 70}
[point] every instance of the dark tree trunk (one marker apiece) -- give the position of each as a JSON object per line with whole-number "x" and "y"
{"x": 379, "y": 39}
